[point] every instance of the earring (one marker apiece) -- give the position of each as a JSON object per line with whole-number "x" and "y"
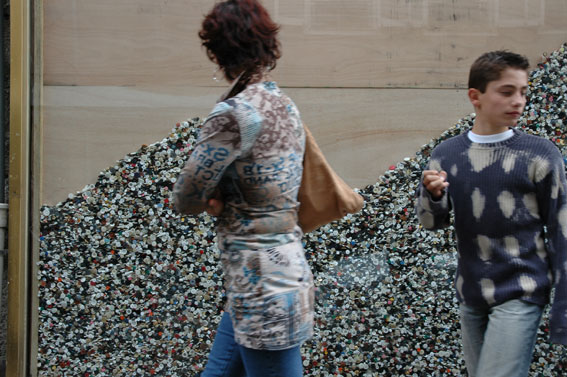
{"x": 215, "y": 78}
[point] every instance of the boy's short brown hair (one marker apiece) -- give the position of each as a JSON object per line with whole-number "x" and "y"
{"x": 490, "y": 65}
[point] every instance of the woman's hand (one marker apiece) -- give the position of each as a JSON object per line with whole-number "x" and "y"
{"x": 215, "y": 204}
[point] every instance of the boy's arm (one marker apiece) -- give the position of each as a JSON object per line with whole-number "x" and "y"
{"x": 433, "y": 205}
{"x": 553, "y": 202}
{"x": 218, "y": 146}
{"x": 435, "y": 182}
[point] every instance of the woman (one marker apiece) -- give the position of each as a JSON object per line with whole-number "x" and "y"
{"x": 246, "y": 169}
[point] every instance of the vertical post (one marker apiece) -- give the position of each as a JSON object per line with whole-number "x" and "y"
{"x": 36, "y": 162}
{"x": 2, "y": 112}
{"x": 17, "y": 345}
{"x": 3, "y": 128}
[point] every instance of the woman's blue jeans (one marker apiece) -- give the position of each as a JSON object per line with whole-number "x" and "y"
{"x": 229, "y": 359}
{"x": 499, "y": 341}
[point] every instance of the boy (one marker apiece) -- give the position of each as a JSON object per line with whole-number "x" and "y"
{"x": 508, "y": 193}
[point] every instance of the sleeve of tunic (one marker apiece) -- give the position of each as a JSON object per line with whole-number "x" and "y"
{"x": 217, "y": 147}
{"x": 552, "y": 198}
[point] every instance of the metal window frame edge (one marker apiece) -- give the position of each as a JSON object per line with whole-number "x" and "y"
{"x": 24, "y": 183}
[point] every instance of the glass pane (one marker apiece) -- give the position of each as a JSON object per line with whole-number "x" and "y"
{"x": 127, "y": 286}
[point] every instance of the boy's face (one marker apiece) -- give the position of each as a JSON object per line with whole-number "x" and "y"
{"x": 503, "y": 101}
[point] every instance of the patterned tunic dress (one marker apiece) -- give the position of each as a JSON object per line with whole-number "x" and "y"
{"x": 250, "y": 150}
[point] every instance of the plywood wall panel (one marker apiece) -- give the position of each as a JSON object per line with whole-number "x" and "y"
{"x": 361, "y": 131}
{"x": 326, "y": 43}
{"x": 127, "y": 42}
{"x": 120, "y": 73}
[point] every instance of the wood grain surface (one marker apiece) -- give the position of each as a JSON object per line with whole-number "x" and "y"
{"x": 361, "y": 131}
{"x": 375, "y": 79}
{"x": 325, "y": 43}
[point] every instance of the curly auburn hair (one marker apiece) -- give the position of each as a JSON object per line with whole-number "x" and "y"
{"x": 240, "y": 35}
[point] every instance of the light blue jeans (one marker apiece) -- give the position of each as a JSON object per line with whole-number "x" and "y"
{"x": 499, "y": 341}
{"x": 229, "y": 359}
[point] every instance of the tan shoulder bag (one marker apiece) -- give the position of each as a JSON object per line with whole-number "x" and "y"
{"x": 323, "y": 195}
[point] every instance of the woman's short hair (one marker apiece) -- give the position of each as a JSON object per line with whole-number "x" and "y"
{"x": 240, "y": 35}
{"x": 490, "y": 65}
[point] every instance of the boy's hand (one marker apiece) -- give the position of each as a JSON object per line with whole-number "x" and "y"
{"x": 435, "y": 182}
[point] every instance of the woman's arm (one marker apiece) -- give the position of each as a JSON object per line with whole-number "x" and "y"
{"x": 218, "y": 146}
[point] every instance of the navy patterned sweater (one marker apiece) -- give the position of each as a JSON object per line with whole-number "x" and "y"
{"x": 510, "y": 218}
